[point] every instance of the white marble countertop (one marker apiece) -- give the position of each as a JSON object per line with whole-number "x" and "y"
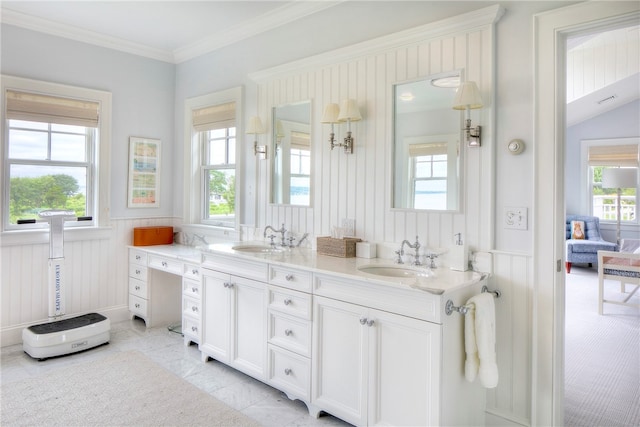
{"x": 436, "y": 281}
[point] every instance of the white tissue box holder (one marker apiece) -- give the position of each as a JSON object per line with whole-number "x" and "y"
{"x": 366, "y": 250}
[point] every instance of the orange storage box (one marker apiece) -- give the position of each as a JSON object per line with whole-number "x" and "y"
{"x": 148, "y": 236}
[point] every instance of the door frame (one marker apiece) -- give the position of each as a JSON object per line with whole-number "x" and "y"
{"x": 551, "y": 30}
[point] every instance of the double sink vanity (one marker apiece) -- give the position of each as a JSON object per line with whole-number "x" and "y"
{"x": 365, "y": 340}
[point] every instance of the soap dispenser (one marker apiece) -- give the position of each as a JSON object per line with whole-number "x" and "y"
{"x": 458, "y": 255}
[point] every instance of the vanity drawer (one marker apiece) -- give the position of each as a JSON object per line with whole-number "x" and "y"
{"x": 138, "y": 272}
{"x": 291, "y": 333}
{"x": 291, "y": 302}
{"x": 138, "y": 288}
{"x": 138, "y": 306}
{"x": 191, "y": 288}
{"x": 191, "y": 307}
{"x": 137, "y": 257}
{"x": 191, "y": 272}
{"x": 165, "y": 264}
{"x": 238, "y": 267}
{"x": 290, "y": 278}
{"x": 290, "y": 373}
{"x": 191, "y": 327}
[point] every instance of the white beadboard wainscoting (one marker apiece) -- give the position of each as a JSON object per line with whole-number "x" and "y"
{"x": 358, "y": 185}
{"x": 96, "y": 271}
{"x": 510, "y": 401}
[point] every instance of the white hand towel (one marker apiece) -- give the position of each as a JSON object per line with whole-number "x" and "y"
{"x": 480, "y": 340}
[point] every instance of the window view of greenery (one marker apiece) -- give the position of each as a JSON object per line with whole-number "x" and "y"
{"x": 48, "y": 168}
{"x": 220, "y": 175}
{"x": 605, "y": 200}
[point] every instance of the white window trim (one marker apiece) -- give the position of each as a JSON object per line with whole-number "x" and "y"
{"x": 103, "y": 164}
{"x": 585, "y": 178}
{"x": 193, "y": 185}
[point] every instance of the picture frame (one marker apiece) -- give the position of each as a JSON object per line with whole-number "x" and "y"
{"x": 144, "y": 173}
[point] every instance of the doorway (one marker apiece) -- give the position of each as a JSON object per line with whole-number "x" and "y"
{"x": 551, "y": 30}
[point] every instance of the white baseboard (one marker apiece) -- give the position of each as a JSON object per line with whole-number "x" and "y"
{"x": 13, "y": 335}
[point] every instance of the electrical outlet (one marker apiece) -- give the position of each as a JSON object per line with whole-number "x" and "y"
{"x": 349, "y": 226}
{"x": 515, "y": 218}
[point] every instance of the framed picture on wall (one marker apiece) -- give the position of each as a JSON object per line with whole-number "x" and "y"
{"x": 144, "y": 173}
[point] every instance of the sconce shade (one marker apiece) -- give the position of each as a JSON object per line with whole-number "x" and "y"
{"x": 619, "y": 178}
{"x": 349, "y": 111}
{"x": 467, "y": 96}
{"x": 331, "y": 112}
{"x": 255, "y": 126}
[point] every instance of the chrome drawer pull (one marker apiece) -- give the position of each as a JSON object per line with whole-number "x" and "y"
{"x": 137, "y": 288}
{"x": 363, "y": 320}
{"x": 137, "y": 272}
{"x": 289, "y": 277}
{"x": 138, "y": 257}
{"x": 194, "y": 290}
{"x": 288, "y": 332}
{"x": 287, "y": 301}
{"x": 195, "y": 309}
{"x": 287, "y": 371}
{"x": 164, "y": 263}
{"x": 370, "y": 323}
{"x": 194, "y": 329}
{"x": 194, "y": 272}
{"x": 137, "y": 305}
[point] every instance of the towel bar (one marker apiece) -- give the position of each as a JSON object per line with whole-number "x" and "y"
{"x": 496, "y": 293}
{"x": 463, "y": 309}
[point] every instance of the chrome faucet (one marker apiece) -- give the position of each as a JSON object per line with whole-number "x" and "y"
{"x": 416, "y": 246}
{"x": 282, "y": 231}
{"x": 304, "y": 236}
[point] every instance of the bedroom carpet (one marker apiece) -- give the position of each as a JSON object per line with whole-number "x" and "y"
{"x": 602, "y": 355}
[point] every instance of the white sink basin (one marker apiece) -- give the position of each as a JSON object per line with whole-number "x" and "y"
{"x": 392, "y": 271}
{"x": 257, "y": 249}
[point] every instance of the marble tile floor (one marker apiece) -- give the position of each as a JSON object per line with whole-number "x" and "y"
{"x": 266, "y": 405}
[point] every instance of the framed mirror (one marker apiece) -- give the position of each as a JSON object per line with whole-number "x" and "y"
{"x": 426, "y": 147}
{"x": 291, "y": 161}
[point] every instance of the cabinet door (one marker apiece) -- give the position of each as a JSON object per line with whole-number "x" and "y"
{"x": 216, "y": 317}
{"x": 339, "y": 381}
{"x": 404, "y": 370}
{"x": 249, "y": 317}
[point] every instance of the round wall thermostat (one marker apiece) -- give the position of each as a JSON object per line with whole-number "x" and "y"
{"x": 516, "y": 146}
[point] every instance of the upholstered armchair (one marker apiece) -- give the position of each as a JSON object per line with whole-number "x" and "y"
{"x": 585, "y": 250}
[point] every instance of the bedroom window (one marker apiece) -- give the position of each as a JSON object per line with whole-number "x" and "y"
{"x": 51, "y": 149}
{"x": 612, "y": 154}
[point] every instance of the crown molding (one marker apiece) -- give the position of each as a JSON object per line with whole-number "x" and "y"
{"x": 468, "y": 21}
{"x": 260, "y": 24}
{"x": 41, "y": 25}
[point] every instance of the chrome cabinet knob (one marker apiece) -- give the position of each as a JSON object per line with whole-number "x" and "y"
{"x": 138, "y": 257}
{"x": 287, "y": 301}
{"x": 288, "y": 332}
{"x": 164, "y": 263}
{"x": 137, "y": 288}
{"x": 137, "y": 272}
{"x": 287, "y": 371}
{"x": 194, "y": 308}
{"x": 194, "y": 329}
{"x": 194, "y": 290}
{"x": 289, "y": 277}
{"x": 137, "y": 305}
{"x": 370, "y": 322}
{"x": 363, "y": 320}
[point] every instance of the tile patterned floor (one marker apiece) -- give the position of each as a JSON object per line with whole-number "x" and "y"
{"x": 268, "y": 406}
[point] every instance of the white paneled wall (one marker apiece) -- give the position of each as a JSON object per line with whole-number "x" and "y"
{"x": 601, "y": 59}
{"x": 358, "y": 186}
{"x": 96, "y": 271}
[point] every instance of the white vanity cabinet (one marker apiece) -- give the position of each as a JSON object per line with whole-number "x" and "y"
{"x": 289, "y": 335}
{"x": 234, "y": 318}
{"x": 191, "y": 304}
{"x": 375, "y": 365}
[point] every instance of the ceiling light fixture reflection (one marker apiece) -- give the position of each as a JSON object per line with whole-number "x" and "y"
{"x": 449, "y": 81}
{"x": 406, "y": 97}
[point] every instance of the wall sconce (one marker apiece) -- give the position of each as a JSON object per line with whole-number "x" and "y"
{"x": 468, "y": 98}
{"x": 347, "y": 112}
{"x": 255, "y": 127}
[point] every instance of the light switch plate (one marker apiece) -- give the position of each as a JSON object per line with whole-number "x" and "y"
{"x": 515, "y": 218}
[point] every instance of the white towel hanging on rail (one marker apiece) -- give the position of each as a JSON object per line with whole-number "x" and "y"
{"x": 480, "y": 340}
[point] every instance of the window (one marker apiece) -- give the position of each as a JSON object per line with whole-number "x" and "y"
{"x": 428, "y": 169}
{"x": 300, "y": 169}
{"x": 211, "y": 159}
{"x": 51, "y": 147}
{"x": 618, "y": 155}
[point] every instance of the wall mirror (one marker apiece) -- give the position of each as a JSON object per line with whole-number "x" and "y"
{"x": 291, "y": 162}
{"x": 426, "y": 149}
